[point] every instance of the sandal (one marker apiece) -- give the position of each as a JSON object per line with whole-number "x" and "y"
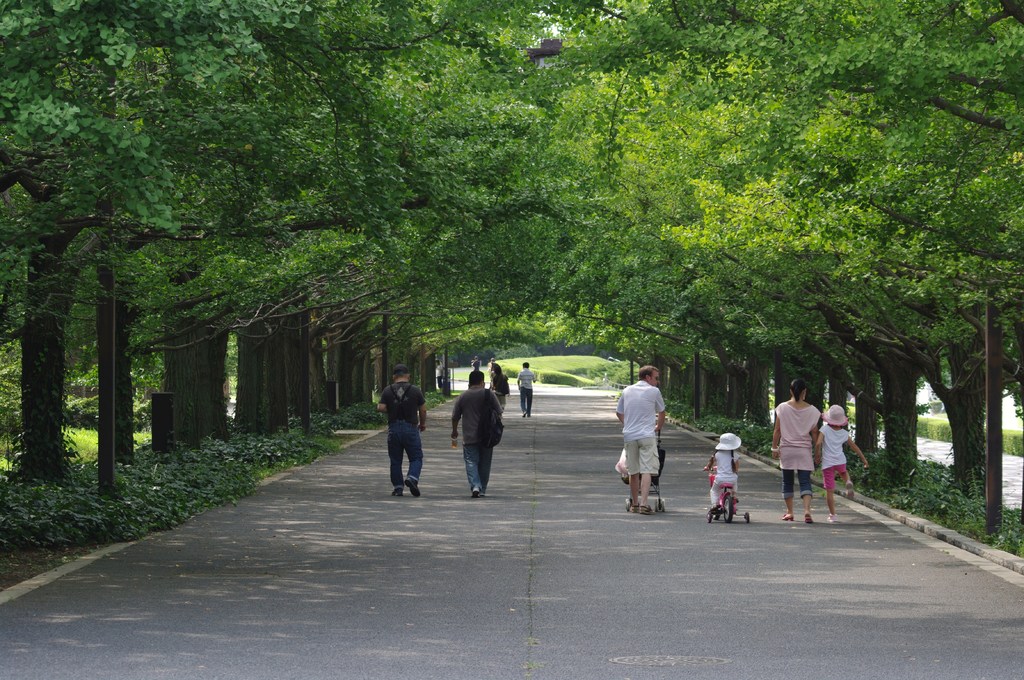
{"x": 787, "y": 517}
{"x": 646, "y": 510}
{"x": 808, "y": 520}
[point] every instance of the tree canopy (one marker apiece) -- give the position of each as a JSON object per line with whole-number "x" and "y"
{"x": 731, "y": 179}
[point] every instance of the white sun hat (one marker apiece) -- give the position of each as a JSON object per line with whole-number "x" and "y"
{"x": 728, "y": 442}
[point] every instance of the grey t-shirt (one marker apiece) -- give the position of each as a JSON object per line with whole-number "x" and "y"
{"x": 468, "y": 407}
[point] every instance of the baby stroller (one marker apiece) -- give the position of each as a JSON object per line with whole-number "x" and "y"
{"x": 655, "y": 492}
{"x": 726, "y": 507}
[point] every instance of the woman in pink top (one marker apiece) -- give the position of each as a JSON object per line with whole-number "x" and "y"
{"x": 796, "y": 429}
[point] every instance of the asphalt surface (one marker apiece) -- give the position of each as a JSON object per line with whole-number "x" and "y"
{"x": 322, "y": 574}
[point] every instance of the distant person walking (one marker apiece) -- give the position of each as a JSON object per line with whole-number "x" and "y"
{"x": 796, "y": 431}
{"x": 439, "y": 372}
{"x": 407, "y": 417}
{"x": 641, "y": 410}
{"x": 525, "y": 384}
{"x": 475, "y": 364}
{"x": 499, "y": 384}
{"x": 831, "y": 441}
{"x": 470, "y": 407}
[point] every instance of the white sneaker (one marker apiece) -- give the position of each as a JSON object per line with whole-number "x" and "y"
{"x": 833, "y": 519}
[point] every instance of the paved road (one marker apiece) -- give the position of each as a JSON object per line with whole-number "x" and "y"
{"x": 323, "y": 574}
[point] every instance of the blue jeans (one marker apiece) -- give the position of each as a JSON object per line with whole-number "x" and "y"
{"x": 404, "y": 437}
{"x": 478, "y": 466}
{"x": 526, "y": 400}
{"x": 805, "y": 483}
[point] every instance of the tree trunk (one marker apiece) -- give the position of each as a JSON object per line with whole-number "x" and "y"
{"x": 735, "y": 401}
{"x": 44, "y": 456}
{"x": 351, "y": 377}
{"x": 715, "y": 389}
{"x": 367, "y": 374}
{"x": 899, "y": 397}
{"x": 317, "y": 376}
{"x": 756, "y": 392}
{"x": 124, "y": 390}
{"x": 836, "y": 392}
{"x": 966, "y": 413}
{"x": 250, "y": 389}
{"x": 195, "y": 372}
{"x": 866, "y": 418}
{"x": 671, "y": 380}
{"x": 965, "y": 407}
{"x": 816, "y": 391}
{"x": 293, "y": 351}
{"x": 276, "y": 381}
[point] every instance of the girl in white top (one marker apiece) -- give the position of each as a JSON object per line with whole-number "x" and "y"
{"x": 724, "y": 459}
{"x": 830, "y": 443}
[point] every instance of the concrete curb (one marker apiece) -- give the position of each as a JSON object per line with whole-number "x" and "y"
{"x": 25, "y": 587}
{"x": 998, "y": 557}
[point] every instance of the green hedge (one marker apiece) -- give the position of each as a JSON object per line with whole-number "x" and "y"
{"x": 938, "y": 429}
{"x": 560, "y": 378}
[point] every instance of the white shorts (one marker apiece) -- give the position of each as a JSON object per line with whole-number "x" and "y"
{"x": 642, "y": 456}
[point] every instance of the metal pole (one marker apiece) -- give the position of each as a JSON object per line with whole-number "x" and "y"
{"x": 385, "y": 369}
{"x": 993, "y": 420}
{"x": 304, "y": 396}
{"x": 446, "y": 385}
{"x": 697, "y": 396}
{"x": 105, "y": 340}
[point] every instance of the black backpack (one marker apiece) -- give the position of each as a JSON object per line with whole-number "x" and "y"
{"x": 490, "y": 428}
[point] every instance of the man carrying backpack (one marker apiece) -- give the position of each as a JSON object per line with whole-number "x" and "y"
{"x": 473, "y": 407}
{"x": 407, "y": 417}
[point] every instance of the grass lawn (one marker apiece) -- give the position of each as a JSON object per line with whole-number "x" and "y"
{"x": 574, "y": 369}
{"x": 87, "y": 442}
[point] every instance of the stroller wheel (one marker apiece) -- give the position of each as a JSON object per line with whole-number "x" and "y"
{"x": 710, "y": 517}
{"x": 746, "y": 516}
{"x": 660, "y": 507}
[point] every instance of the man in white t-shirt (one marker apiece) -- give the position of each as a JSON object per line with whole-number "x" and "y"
{"x": 641, "y": 410}
{"x": 525, "y": 383}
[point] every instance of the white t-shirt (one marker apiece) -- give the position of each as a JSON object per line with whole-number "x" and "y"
{"x": 526, "y": 378}
{"x": 640, "y": 405}
{"x": 725, "y": 474}
{"x": 832, "y": 447}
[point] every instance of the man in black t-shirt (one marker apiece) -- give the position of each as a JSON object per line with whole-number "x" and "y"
{"x": 407, "y": 417}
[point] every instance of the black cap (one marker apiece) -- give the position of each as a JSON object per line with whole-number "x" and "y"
{"x": 400, "y": 369}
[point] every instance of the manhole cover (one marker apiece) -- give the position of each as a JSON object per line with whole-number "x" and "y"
{"x": 668, "y": 660}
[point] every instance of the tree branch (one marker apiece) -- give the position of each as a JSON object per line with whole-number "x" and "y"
{"x": 1013, "y": 9}
{"x": 398, "y": 46}
{"x": 968, "y": 114}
